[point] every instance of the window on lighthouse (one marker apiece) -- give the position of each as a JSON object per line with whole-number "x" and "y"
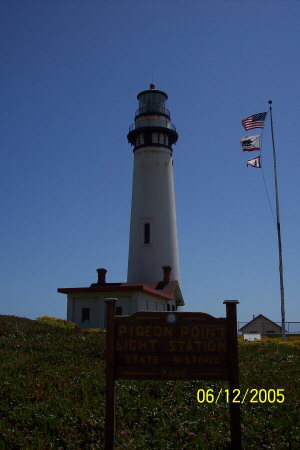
{"x": 140, "y": 140}
{"x": 148, "y": 138}
{"x": 146, "y": 233}
{"x": 155, "y": 138}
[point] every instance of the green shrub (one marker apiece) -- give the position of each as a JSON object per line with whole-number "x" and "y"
{"x": 56, "y": 322}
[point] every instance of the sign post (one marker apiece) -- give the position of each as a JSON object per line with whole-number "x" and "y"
{"x": 158, "y": 345}
{"x": 110, "y": 375}
{"x": 233, "y": 376}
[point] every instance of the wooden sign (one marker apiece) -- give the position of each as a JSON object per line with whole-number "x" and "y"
{"x": 165, "y": 345}
{"x": 171, "y": 346}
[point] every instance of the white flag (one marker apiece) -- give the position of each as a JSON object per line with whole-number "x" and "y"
{"x": 250, "y": 143}
{"x": 254, "y": 162}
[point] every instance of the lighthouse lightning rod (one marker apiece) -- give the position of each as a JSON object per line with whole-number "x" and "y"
{"x": 278, "y": 232}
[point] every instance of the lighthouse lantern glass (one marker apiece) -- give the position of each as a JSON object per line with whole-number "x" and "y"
{"x": 152, "y": 102}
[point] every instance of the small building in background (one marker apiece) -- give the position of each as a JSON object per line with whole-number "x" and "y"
{"x": 261, "y": 325}
{"x": 252, "y": 337}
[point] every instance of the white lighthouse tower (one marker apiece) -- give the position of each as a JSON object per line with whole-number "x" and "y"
{"x": 153, "y": 263}
{"x": 153, "y": 231}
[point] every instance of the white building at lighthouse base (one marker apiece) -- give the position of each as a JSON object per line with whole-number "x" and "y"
{"x": 86, "y": 305}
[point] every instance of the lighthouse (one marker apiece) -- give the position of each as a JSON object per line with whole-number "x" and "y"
{"x": 153, "y": 262}
{"x": 153, "y": 239}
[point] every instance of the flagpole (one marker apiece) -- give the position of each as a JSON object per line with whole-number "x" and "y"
{"x": 278, "y": 232}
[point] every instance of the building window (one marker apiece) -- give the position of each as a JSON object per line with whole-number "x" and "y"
{"x": 140, "y": 140}
{"x": 146, "y": 233}
{"x": 119, "y": 311}
{"x": 85, "y": 315}
{"x": 155, "y": 139}
{"x": 148, "y": 138}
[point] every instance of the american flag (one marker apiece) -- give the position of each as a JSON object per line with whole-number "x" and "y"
{"x": 255, "y": 121}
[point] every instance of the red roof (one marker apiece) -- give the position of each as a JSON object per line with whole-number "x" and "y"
{"x": 158, "y": 288}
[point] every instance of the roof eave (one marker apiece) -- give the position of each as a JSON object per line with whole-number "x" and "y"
{"x": 141, "y": 287}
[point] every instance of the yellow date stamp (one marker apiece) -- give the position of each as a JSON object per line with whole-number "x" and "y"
{"x": 237, "y": 396}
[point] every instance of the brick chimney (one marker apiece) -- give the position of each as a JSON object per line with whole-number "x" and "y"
{"x": 167, "y": 273}
{"x": 101, "y": 276}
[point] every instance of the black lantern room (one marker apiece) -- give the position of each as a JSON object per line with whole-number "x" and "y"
{"x": 152, "y": 124}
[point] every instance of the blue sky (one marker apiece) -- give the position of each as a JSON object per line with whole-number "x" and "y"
{"x": 71, "y": 71}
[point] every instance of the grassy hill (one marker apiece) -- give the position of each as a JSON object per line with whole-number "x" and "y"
{"x": 52, "y": 396}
